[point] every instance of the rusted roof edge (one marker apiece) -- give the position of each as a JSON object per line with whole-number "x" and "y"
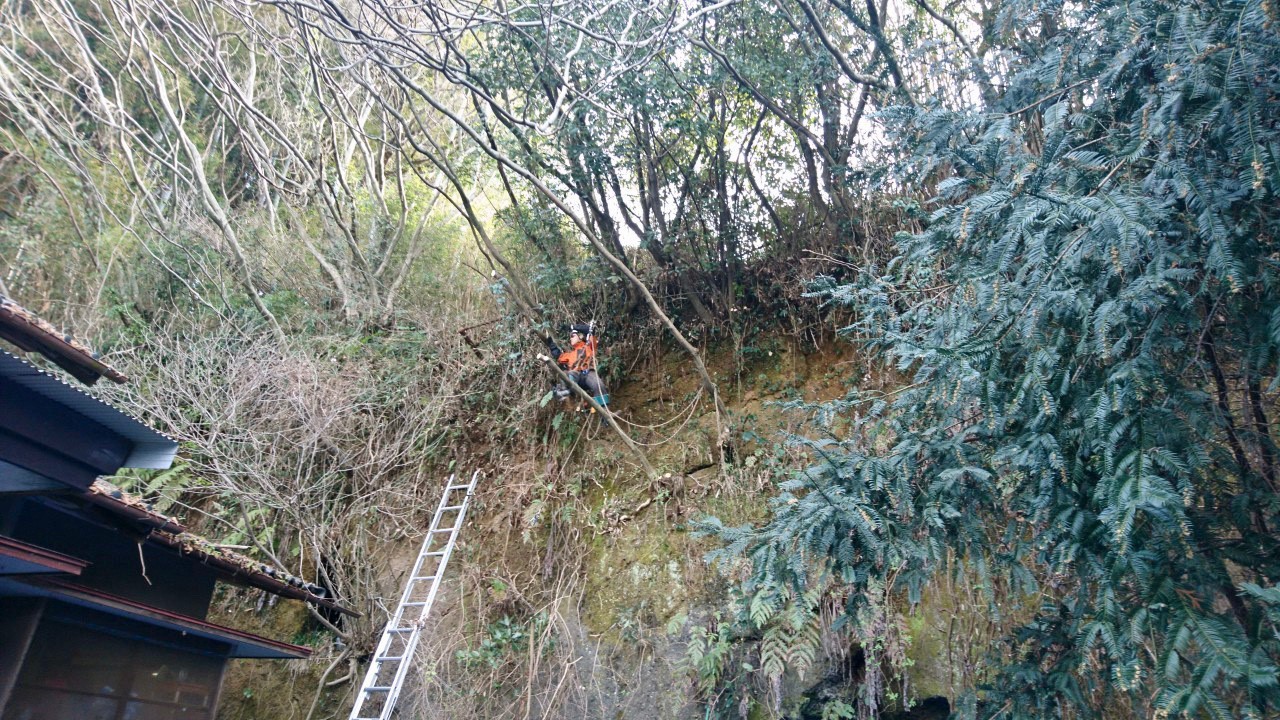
{"x": 30, "y": 332}
{"x": 170, "y": 533}
{"x": 117, "y": 604}
{"x": 50, "y": 560}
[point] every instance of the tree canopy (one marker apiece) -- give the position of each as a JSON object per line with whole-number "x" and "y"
{"x": 1089, "y": 324}
{"x": 1056, "y": 220}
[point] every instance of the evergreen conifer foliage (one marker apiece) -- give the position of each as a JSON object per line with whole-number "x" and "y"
{"x": 1091, "y": 324}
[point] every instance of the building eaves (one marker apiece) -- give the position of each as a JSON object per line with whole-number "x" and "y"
{"x": 19, "y": 558}
{"x": 150, "y": 449}
{"x": 28, "y": 331}
{"x": 170, "y": 533}
{"x": 243, "y": 644}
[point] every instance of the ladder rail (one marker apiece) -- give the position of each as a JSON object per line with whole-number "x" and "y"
{"x": 396, "y": 625}
{"x": 398, "y": 618}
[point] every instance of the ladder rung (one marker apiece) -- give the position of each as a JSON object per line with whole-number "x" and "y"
{"x": 389, "y": 692}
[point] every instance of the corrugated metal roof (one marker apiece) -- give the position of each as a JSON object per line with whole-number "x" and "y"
{"x": 151, "y": 449}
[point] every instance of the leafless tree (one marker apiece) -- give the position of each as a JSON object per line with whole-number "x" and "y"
{"x": 210, "y": 107}
{"x": 394, "y": 43}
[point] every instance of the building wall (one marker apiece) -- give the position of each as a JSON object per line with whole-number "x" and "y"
{"x": 18, "y": 619}
{"x": 86, "y": 665}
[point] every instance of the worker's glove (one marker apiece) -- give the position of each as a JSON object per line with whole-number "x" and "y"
{"x": 543, "y": 358}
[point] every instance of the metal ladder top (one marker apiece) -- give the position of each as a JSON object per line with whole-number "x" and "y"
{"x": 390, "y": 663}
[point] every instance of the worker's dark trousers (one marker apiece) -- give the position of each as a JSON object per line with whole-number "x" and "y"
{"x": 589, "y": 381}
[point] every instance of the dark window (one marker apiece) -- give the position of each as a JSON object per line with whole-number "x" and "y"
{"x": 81, "y": 673}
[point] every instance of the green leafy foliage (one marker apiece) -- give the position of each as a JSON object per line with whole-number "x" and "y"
{"x": 504, "y": 641}
{"x": 706, "y": 655}
{"x": 161, "y": 489}
{"x": 837, "y": 710}
{"x": 1089, "y": 320}
{"x": 792, "y": 630}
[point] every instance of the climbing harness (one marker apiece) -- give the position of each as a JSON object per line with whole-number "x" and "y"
{"x": 580, "y": 361}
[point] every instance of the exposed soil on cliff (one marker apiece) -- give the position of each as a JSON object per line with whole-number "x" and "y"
{"x": 578, "y": 581}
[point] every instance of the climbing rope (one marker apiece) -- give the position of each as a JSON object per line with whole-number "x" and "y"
{"x": 685, "y": 416}
{"x": 689, "y": 410}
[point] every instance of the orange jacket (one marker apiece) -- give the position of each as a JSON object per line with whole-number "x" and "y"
{"x": 579, "y": 357}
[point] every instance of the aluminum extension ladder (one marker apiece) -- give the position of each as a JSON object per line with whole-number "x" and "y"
{"x": 390, "y": 663}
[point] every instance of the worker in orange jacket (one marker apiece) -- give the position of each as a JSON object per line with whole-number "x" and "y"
{"x": 579, "y": 362}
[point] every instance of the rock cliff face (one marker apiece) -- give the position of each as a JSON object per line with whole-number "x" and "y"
{"x": 580, "y": 589}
